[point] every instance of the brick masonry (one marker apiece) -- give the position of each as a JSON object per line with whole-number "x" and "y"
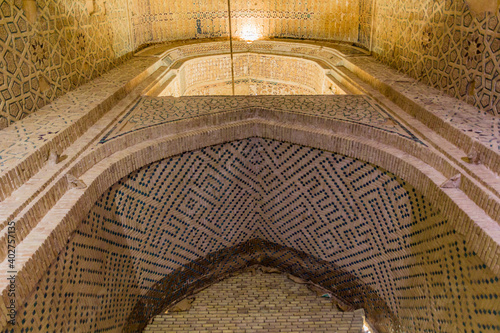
{"x": 62, "y": 46}
{"x": 74, "y": 274}
{"x": 258, "y": 302}
{"x": 59, "y": 45}
{"x": 379, "y": 232}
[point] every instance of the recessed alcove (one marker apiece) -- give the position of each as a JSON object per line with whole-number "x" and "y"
{"x": 254, "y": 74}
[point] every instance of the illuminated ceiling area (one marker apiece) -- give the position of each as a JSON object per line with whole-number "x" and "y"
{"x": 254, "y": 74}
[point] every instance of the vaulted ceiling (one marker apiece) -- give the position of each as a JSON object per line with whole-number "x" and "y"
{"x": 50, "y": 47}
{"x": 153, "y": 20}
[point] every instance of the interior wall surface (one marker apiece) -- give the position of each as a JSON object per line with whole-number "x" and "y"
{"x": 452, "y": 45}
{"x": 49, "y": 47}
{"x": 255, "y": 74}
{"x": 248, "y": 86}
{"x": 183, "y": 222}
{"x": 275, "y": 68}
{"x": 314, "y": 19}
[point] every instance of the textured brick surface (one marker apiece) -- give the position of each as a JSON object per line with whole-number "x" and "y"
{"x": 377, "y": 231}
{"x": 259, "y": 303}
{"x": 433, "y": 260}
{"x": 65, "y": 45}
{"x": 68, "y": 43}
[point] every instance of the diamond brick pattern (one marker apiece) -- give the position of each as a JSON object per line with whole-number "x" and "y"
{"x": 383, "y": 239}
{"x": 151, "y": 111}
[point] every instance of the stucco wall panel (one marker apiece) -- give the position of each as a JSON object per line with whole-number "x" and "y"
{"x": 445, "y": 44}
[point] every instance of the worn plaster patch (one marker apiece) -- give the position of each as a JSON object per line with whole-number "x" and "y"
{"x": 482, "y": 6}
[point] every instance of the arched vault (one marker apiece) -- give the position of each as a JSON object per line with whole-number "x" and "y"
{"x": 160, "y": 196}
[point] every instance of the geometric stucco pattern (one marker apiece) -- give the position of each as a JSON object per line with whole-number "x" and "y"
{"x": 483, "y": 127}
{"x": 260, "y": 303}
{"x": 369, "y": 224}
{"x": 49, "y": 47}
{"x": 23, "y": 137}
{"x": 445, "y": 45}
{"x": 55, "y": 46}
{"x": 149, "y": 111}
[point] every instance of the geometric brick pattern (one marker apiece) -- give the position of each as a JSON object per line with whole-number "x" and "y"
{"x": 70, "y": 43}
{"x": 483, "y": 127}
{"x": 443, "y": 44}
{"x": 204, "y": 272}
{"x": 23, "y": 138}
{"x": 262, "y": 303}
{"x": 370, "y": 225}
{"x": 252, "y": 86}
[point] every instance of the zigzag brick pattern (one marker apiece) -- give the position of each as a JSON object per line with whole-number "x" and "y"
{"x": 346, "y": 214}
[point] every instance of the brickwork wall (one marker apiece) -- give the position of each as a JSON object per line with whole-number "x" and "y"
{"x": 365, "y": 234}
{"x": 259, "y": 303}
{"x": 49, "y": 47}
{"x": 444, "y": 44}
{"x": 249, "y": 87}
{"x": 365, "y": 22}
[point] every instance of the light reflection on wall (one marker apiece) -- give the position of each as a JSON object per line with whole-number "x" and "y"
{"x": 249, "y": 32}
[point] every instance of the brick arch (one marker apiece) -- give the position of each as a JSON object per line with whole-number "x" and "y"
{"x": 390, "y": 258}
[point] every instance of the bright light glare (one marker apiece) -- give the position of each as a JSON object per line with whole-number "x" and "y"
{"x": 249, "y": 33}
{"x": 366, "y": 329}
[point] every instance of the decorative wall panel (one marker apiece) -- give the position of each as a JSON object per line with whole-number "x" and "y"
{"x": 55, "y": 47}
{"x": 285, "y": 69}
{"x": 445, "y": 45}
{"x": 255, "y": 74}
{"x": 365, "y": 22}
{"x": 152, "y": 111}
{"x": 341, "y": 222}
